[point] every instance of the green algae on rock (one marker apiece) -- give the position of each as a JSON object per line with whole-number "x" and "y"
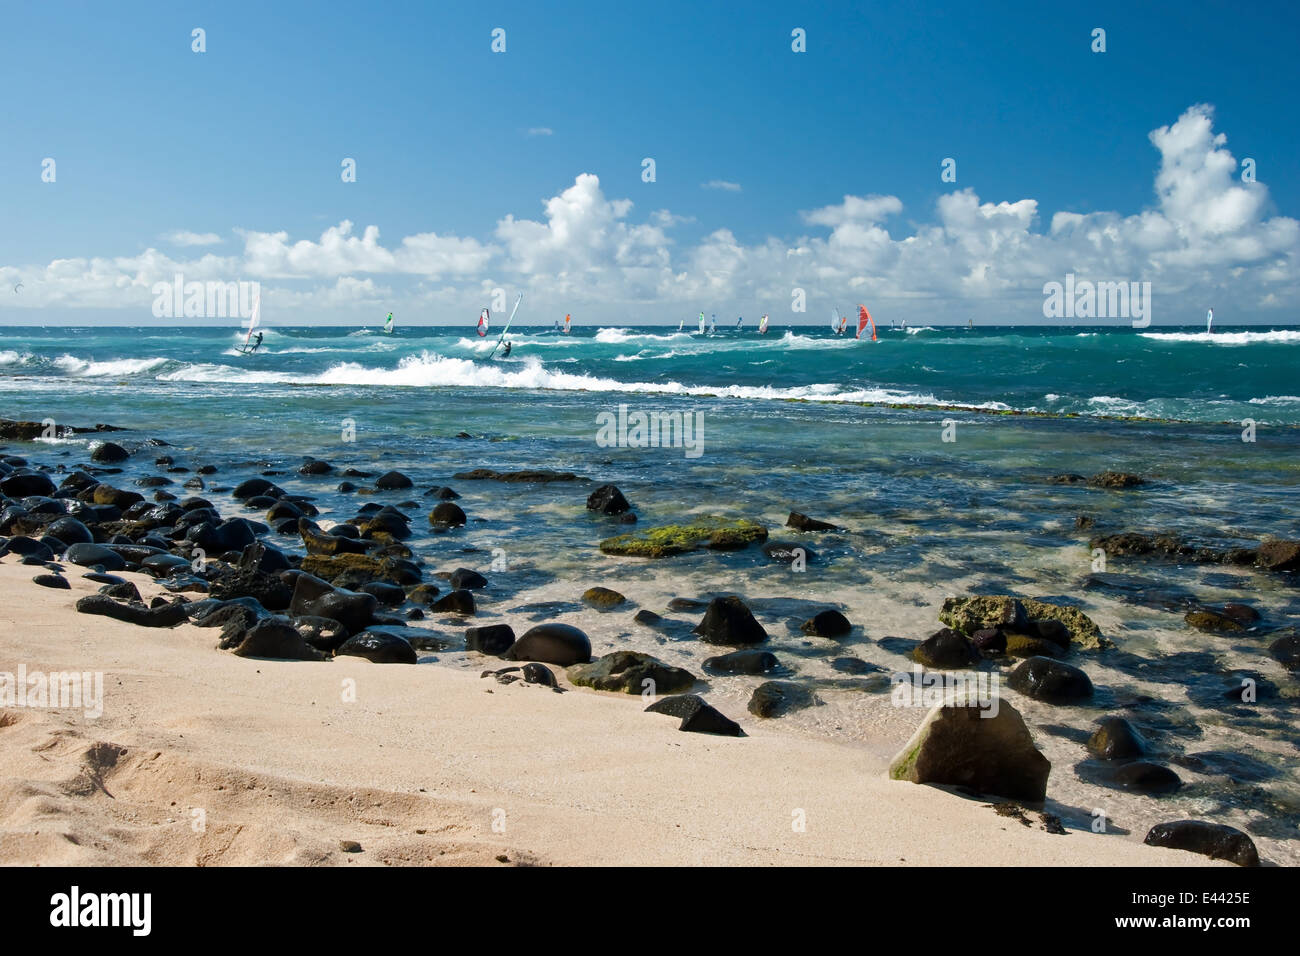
{"x": 969, "y": 614}
{"x": 707, "y": 531}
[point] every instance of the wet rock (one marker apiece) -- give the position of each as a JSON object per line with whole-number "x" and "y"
{"x": 109, "y": 453}
{"x": 648, "y": 618}
{"x": 551, "y": 643}
{"x": 168, "y": 615}
{"x": 393, "y": 481}
{"x": 389, "y": 595}
{"x": 1212, "y": 621}
{"x": 628, "y": 672}
{"x": 422, "y": 594}
{"x": 106, "y": 494}
{"x": 1116, "y": 479}
{"x": 696, "y": 715}
{"x": 254, "y": 487}
{"x": 703, "y": 532}
{"x": 775, "y": 698}
{"x": 1050, "y": 681}
{"x": 315, "y": 467}
{"x": 378, "y": 647}
{"x": 328, "y": 544}
{"x": 801, "y": 522}
{"x": 945, "y": 649}
{"x": 1215, "y": 840}
{"x": 1143, "y": 776}
{"x": 534, "y": 673}
{"x": 465, "y": 579}
{"x": 447, "y": 515}
{"x": 608, "y": 500}
{"x": 322, "y": 633}
{"x": 455, "y": 602}
{"x": 989, "y": 640}
{"x": 1242, "y": 613}
{"x": 1286, "y": 651}
{"x": 26, "y": 482}
{"x": 1278, "y": 555}
{"x": 315, "y": 598}
{"x": 786, "y": 552}
{"x": 742, "y": 662}
{"x": 828, "y": 623}
{"x": 57, "y": 581}
{"x": 540, "y": 475}
{"x": 276, "y": 638}
{"x": 494, "y": 639}
{"x": 1068, "y": 479}
{"x": 1115, "y": 739}
{"x": 1024, "y": 616}
{"x": 958, "y": 744}
{"x": 729, "y": 620}
{"x": 70, "y": 531}
{"x": 686, "y": 604}
{"x": 92, "y": 555}
{"x": 602, "y": 599}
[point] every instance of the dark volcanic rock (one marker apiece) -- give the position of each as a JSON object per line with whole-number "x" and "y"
{"x": 1051, "y": 681}
{"x": 26, "y": 482}
{"x": 316, "y": 598}
{"x": 1277, "y": 555}
{"x": 168, "y": 615}
{"x": 787, "y": 552}
{"x": 742, "y": 662}
{"x": 648, "y": 618}
{"x": 729, "y": 621}
{"x": 628, "y": 672}
{"x": 1145, "y": 777}
{"x": 322, "y": 633}
{"x": 961, "y": 745}
{"x": 801, "y": 522}
{"x": 393, "y": 481}
{"x": 1286, "y": 651}
{"x": 551, "y": 643}
{"x": 828, "y": 623}
{"x": 455, "y": 602}
{"x": 602, "y": 599}
{"x": 608, "y": 500}
{"x": 1215, "y": 840}
{"x": 1115, "y": 739}
{"x": 776, "y": 698}
{"x": 528, "y": 475}
{"x": 945, "y": 649}
{"x": 1116, "y": 479}
{"x": 90, "y": 555}
{"x": 494, "y": 639}
{"x": 697, "y": 716}
{"x": 52, "y": 581}
{"x": 446, "y": 515}
{"x": 378, "y": 647}
{"x": 467, "y": 580}
{"x": 109, "y": 453}
{"x": 276, "y": 638}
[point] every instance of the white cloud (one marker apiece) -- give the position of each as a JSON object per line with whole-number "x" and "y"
{"x": 541, "y": 131}
{"x": 721, "y": 184}
{"x": 1208, "y": 236}
{"x": 182, "y": 237}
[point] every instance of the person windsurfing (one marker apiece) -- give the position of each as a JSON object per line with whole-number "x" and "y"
{"x": 258, "y": 343}
{"x": 505, "y": 352}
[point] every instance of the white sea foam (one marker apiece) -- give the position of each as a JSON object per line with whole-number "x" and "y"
{"x": 1277, "y": 337}
{"x": 87, "y": 368}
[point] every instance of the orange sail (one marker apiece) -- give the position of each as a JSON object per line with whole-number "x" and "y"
{"x": 864, "y": 319}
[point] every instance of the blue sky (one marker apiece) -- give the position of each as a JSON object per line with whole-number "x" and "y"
{"x": 151, "y": 138}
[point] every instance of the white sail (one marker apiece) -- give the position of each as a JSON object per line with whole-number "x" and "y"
{"x": 701, "y": 323}
{"x": 713, "y": 322}
{"x": 681, "y": 324}
{"x": 506, "y": 327}
{"x": 1209, "y": 321}
{"x": 835, "y": 320}
{"x": 762, "y": 325}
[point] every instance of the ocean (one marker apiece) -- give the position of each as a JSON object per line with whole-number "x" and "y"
{"x": 930, "y": 448}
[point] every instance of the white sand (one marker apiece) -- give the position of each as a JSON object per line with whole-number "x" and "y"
{"x": 420, "y": 766}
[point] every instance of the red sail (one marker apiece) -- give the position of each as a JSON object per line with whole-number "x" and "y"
{"x": 864, "y": 318}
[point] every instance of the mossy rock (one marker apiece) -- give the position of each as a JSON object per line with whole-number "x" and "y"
{"x": 602, "y": 599}
{"x": 719, "y": 534}
{"x": 969, "y": 614}
{"x": 355, "y": 568}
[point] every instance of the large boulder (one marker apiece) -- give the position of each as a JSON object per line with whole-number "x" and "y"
{"x": 316, "y": 598}
{"x": 278, "y": 639}
{"x": 959, "y": 744}
{"x": 628, "y": 672}
{"x": 26, "y": 482}
{"x": 393, "y": 481}
{"x": 89, "y": 555}
{"x": 551, "y": 643}
{"x": 729, "y": 620}
{"x": 494, "y": 639}
{"x": 1215, "y": 840}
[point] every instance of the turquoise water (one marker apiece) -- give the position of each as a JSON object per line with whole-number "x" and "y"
{"x": 851, "y": 432}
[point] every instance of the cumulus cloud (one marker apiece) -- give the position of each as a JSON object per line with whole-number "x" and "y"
{"x": 722, "y": 184}
{"x": 1207, "y": 236}
{"x": 182, "y": 237}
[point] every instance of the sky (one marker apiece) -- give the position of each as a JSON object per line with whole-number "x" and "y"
{"x": 781, "y": 179}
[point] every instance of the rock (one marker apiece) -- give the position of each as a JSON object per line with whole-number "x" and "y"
{"x": 25, "y": 483}
{"x": 389, "y": 595}
{"x": 1115, "y": 479}
{"x": 168, "y": 615}
{"x": 697, "y": 716}
{"x": 945, "y": 649}
{"x": 276, "y": 638}
{"x": 455, "y": 602}
{"x": 786, "y": 552}
{"x": 528, "y": 475}
{"x": 328, "y": 544}
{"x": 989, "y": 640}
{"x": 628, "y": 672}
{"x": 315, "y": 467}
{"x": 465, "y": 579}
{"x": 801, "y": 522}
{"x": 602, "y": 599}
{"x": 539, "y": 674}
{"x": 729, "y": 620}
{"x": 1031, "y": 645}
{"x": 551, "y": 643}
{"x": 315, "y": 598}
{"x": 647, "y": 618}
{"x": 855, "y": 665}
{"x": 828, "y": 623}
{"x": 447, "y": 515}
{"x": 354, "y": 570}
{"x": 91, "y": 555}
{"x": 1278, "y": 555}
{"x": 1286, "y": 651}
{"x": 254, "y": 487}
{"x": 706, "y": 531}
{"x": 322, "y": 633}
{"x": 961, "y": 745}
{"x": 1145, "y": 777}
{"x": 443, "y": 493}
{"x": 686, "y": 604}
{"x": 776, "y": 698}
{"x": 742, "y": 662}
{"x": 378, "y": 647}
{"x": 422, "y": 594}
{"x": 494, "y": 639}
{"x": 1068, "y": 479}
{"x": 969, "y": 614}
{"x": 70, "y": 531}
{"x": 57, "y": 581}
{"x": 1051, "y": 681}
{"x": 1215, "y": 840}
{"x": 1242, "y": 613}
{"x": 393, "y": 481}
{"x": 106, "y": 494}
{"x": 1212, "y": 621}
{"x": 608, "y": 500}
{"x": 109, "y": 453}
{"x": 1115, "y": 739}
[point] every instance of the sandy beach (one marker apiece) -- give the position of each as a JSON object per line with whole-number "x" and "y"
{"x": 426, "y": 760}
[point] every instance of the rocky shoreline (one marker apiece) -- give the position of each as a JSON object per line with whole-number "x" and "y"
{"x": 352, "y": 589}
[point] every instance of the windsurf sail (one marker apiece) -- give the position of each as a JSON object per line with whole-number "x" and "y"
{"x": 506, "y": 327}
{"x": 713, "y": 322}
{"x": 567, "y": 319}
{"x": 1209, "y": 321}
{"x": 484, "y": 322}
{"x": 762, "y": 325}
{"x": 835, "y": 320}
{"x": 740, "y": 320}
{"x": 388, "y": 324}
{"x": 844, "y": 323}
{"x": 970, "y": 323}
{"x": 864, "y": 319}
{"x": 701, "y": 323}
{"x": 681, "y": 324}
{"x": 253, "y": 320}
